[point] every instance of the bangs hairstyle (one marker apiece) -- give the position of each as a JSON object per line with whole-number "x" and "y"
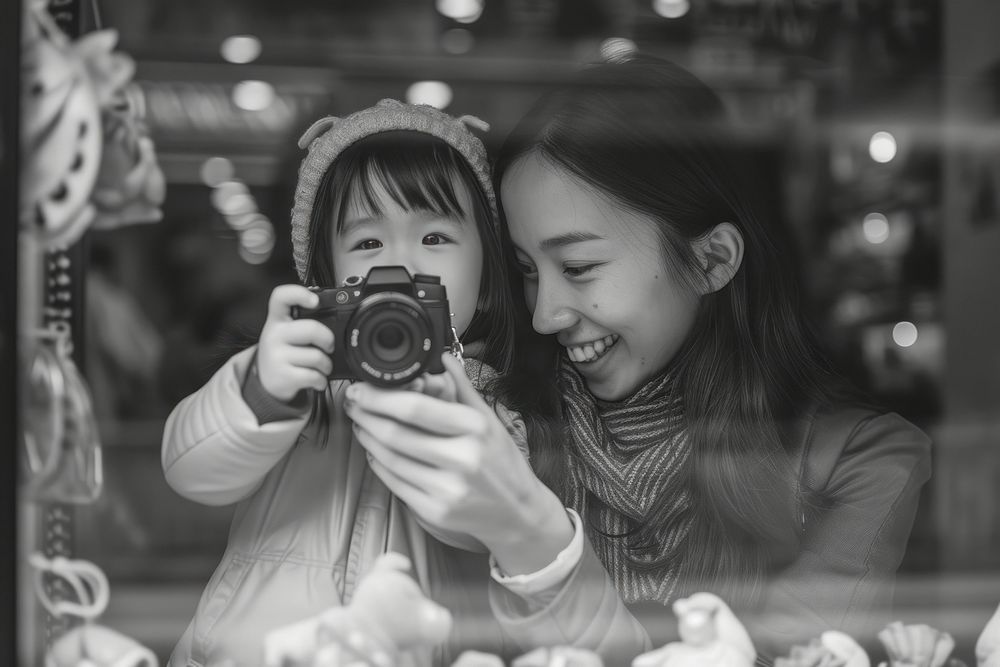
{"x": 419, "y": 172}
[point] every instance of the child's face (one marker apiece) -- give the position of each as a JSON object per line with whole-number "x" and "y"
{"x": 422, "y": 241}
{"x": 595, "y": 276}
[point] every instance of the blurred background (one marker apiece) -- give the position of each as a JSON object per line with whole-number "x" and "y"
{"x": 879, "y": 120}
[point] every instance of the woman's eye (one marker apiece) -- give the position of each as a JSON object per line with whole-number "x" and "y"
{"x": 435, "y": 239}
{"x": 368, "y": 244}
{"x": 575, "y": 271}
{"x": 527, "y": 270}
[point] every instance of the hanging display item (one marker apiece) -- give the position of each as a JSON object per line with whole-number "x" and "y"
{"x": 87, "y": 157}
{"x": 88, "y": 644}
{"x": 62, "y": 450}
{"x": 130, "y": 185}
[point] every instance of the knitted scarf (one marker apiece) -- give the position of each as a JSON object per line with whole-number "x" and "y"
{"x": 626, "y": 455}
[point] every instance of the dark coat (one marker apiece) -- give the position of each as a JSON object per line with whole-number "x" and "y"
{"x": 860, "y": 478}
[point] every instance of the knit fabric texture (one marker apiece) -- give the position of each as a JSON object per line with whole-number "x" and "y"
{"x": 328, "y": 137}
{"x": 628, "y": 455}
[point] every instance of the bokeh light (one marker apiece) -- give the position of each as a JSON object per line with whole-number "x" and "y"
{"x": 225, "y": 190}
{"x": 882, "y": 147}
{"x": 240, "y": 49}
{"x": 463, "y": 11}
{"x": 904, "y": 334}
{"x": 251, "y": 257}
{"x": 435, "y": 93}
{"x": 257, "y": 241}
{"x": 216, "y": 170}
{"x": 671, "y": 9}
{"x": 242, "y": 221}
{"x": 875, "y": 227}
{"x": 259, "y": 238}
{"x": 238, "y": 204}
{"x": 253, "y": 95}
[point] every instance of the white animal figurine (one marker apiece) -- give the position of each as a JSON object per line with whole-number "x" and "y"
{"x": 988, "y": 644}
{"x": 831, "y": 649}
{"x": 558, "y": 656}
{"x": 843, "y": 646}
{"x": 915, "y": 645}
{"x": 478, "y": 659}
{"x": 711, "y": 636}
{"x": 387, "y": 617}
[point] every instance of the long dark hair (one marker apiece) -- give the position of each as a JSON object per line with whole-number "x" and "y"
{"x": 417, "y": 171}
{"x": 654, "y": 139}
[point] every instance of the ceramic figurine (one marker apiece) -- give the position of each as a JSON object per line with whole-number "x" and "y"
{"x": 558, "y": 656}
{"x": 988, "y": 644}
{"x": 86, "y": 644}
{"x": 130, "y": 185}
{"x": 831, "y": 649}
{"x": 478, "y": 659}
{"x": 915, "y": 645}
{"x": 813, "y": 654}
{"x": 81, "y": 135}
{"x": 387, "y": 616}
{"x": 710, "y": 636}
{"x": 843, "y": 646}
{"x": 93, "y": 645}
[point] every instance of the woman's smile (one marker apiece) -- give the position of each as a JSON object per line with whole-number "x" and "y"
{"x": 589, "y": 352}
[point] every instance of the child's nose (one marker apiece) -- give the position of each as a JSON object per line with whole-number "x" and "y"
{"x": 412, "y": 261}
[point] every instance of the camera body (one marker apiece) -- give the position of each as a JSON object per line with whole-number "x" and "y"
{"x": 389, "y": 327}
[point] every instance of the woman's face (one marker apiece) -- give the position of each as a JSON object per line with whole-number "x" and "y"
{"x": 595, "y": 277}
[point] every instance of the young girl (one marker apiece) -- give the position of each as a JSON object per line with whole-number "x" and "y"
{"x": 697, "y": 437}
{"x": 394, "y": 184}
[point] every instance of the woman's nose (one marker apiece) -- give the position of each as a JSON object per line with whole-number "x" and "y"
{"x": 551, "y": 313}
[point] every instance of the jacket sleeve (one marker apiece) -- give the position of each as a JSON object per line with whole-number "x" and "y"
{"x": 214, "y": 451}
{"x": 587, "y": 612}
{"x": 862, "y": 480}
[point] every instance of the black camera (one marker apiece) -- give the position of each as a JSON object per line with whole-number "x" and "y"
{"x": 388, "y": 327}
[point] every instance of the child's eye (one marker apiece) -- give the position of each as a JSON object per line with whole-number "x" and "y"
{"x": 575, "y": 271}
{"x": 435, "y": 239}
{"x": 368, "y": 244}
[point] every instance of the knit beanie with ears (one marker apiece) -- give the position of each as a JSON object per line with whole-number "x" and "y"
{"x": 329, "y": 136}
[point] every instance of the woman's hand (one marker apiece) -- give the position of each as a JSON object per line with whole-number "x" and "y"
{"x": 292, "y": 354}
{"x": 457, "y": 468}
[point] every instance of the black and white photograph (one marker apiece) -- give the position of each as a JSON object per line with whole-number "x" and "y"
{"x": 500, "y": 333}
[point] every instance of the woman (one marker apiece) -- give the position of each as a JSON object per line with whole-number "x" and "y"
{"x": 677, "y": 404}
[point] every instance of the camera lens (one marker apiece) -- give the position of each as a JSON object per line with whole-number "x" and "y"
{"x": 389, "y": 339}
{"x": 390, "y": 342}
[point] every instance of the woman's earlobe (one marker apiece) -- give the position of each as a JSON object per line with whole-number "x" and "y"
{"x": 721, "y": 254}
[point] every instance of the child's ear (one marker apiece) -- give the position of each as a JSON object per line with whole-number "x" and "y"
{"x": 720, "y": 253}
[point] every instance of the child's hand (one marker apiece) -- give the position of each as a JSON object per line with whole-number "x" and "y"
{"x": 292, "y": 354}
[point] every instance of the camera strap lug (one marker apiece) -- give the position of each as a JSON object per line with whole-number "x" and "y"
{"x": 456, "y": 347}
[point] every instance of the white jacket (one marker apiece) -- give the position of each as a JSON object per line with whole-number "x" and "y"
{"x": 311, "y": 518}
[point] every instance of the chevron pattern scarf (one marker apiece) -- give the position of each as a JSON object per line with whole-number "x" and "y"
{"x": 627, "y": 455}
